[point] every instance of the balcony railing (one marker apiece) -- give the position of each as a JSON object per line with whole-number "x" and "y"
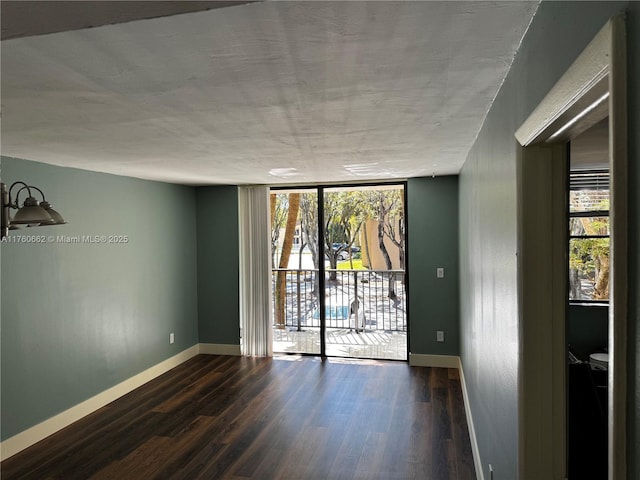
{"x": 354, "y": 299}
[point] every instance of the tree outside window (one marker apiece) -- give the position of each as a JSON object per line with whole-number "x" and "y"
{"x": 589, "y": 237}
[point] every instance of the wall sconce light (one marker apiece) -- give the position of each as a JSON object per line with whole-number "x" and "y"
{"x": 32, "y": 213}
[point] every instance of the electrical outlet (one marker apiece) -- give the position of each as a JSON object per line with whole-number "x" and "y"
{"x": 440, "y": 272}
{"x": 172, "y": 338}
{"x": 440, "y": 336}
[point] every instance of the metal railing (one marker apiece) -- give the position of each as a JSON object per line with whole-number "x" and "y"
{"x": 354, "y": 299}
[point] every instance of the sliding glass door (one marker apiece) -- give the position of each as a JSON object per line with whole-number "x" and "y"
{"x": 296, "y": 265}
{"x": 365, "y": 295}
{"x": 339, "y": 283}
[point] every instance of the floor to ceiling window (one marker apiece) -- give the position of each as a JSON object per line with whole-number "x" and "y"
{"x": 339, "y": 284}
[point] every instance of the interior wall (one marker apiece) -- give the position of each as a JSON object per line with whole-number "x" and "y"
{"x": 432, "y": 218}
{"x": 218, "y": 260}
{"x": 588, "y": 330}
{"x": 79, "y": 317}
{"x": 489, "y": 327}
{"x": 433, "y": 235}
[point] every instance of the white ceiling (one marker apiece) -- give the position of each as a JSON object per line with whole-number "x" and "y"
{"x": 273, "y": 92}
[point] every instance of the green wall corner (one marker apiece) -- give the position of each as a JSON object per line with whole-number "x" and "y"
{"x": 218, "y": 260}
{"x": 80, "y": 316}
{"x": 432, "y": 218}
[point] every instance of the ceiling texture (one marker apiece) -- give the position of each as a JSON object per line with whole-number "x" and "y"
{"x": 254, "y": 93}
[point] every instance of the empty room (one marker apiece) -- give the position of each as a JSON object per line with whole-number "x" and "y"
{"x": 320, "y": 240}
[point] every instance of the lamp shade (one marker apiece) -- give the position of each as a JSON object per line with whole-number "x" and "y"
{"x": 13, "y": 226}
{"x": 32, "y": 214}
{"x": 57, "y": 218}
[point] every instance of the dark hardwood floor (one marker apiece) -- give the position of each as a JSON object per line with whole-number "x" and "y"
{"x": 284, "y": 418}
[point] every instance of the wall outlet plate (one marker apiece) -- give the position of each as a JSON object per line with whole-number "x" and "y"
{"x": 172, "y": 338}
{"x": 440, "y": 336}
{"x": 440, "y": 272}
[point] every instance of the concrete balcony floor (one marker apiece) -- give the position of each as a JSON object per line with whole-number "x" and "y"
{"x": 378, "y": 344}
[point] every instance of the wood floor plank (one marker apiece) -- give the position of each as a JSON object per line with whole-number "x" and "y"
{"x": 216, "y": 417}
{"x": 143, "y": 462}
{"x": 441, "y": 433}
{"x": 460, "y": 432}
{"x": 372, "y": 456}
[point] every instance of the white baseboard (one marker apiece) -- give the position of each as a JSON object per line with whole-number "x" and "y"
{"x": 219, "y": 349}
{"x": 38, "y": 432}
{"x": 32, "y": 435}
{"x": 452, "y": 361}
{"x": 472, "y": 431}
{"x": 441, "y": 361}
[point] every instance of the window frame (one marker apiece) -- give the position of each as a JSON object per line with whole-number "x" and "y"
{"x": 573, "y": 187}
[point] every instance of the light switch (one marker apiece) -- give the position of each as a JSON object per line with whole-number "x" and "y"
{"x": 440, "y": 272}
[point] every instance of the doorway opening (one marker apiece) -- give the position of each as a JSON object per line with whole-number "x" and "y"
{"x": 588, "y": 302}
{"x": 593, "y": 88}
{"x": 339, "y": 283}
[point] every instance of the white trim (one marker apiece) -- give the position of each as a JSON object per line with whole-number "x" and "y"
{"x": 602, "y": 62}
{"x": 589, "y": 68}
{"x": 219, "y": 349}
{"x": 590, "y": 108}
{"x": 453, "y": 361}
{"x": 475, "y": 449}
{"x": 618, "y": 256}
{"x": 38, "y": 432}
{"x": 541, "y": 173}
{"x": 440, "y": 361}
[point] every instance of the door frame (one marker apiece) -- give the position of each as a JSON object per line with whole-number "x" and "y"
{"x": 541, "y": 446}
{"x": 320, "y": 190}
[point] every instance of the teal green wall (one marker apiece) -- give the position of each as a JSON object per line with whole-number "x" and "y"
{"x": 588, "y": 330}
{"x": 433, "y": 236}
{"x": 80, "y": 318}
{"x": 218, "y": 259}
{"x": 489, "y": 327}
{"x": 104, "y": 315}
{"x": 432, "y": 214}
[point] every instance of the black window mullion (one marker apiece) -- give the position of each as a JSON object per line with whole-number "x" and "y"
{"x": 321, "y": 273}
{"x": 589, "y": 213}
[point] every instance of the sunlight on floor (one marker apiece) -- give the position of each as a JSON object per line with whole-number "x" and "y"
{"x": 343, "y": 343}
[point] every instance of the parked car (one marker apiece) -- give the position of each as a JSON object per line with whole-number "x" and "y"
{"x": 342, "y": 249}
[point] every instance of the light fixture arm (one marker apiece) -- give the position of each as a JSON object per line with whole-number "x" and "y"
{"x": 14, "y": 204}
{"x": 41, "y": 193}
{"x": 33, "y": 212}
{"x": 4, "y": 217}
